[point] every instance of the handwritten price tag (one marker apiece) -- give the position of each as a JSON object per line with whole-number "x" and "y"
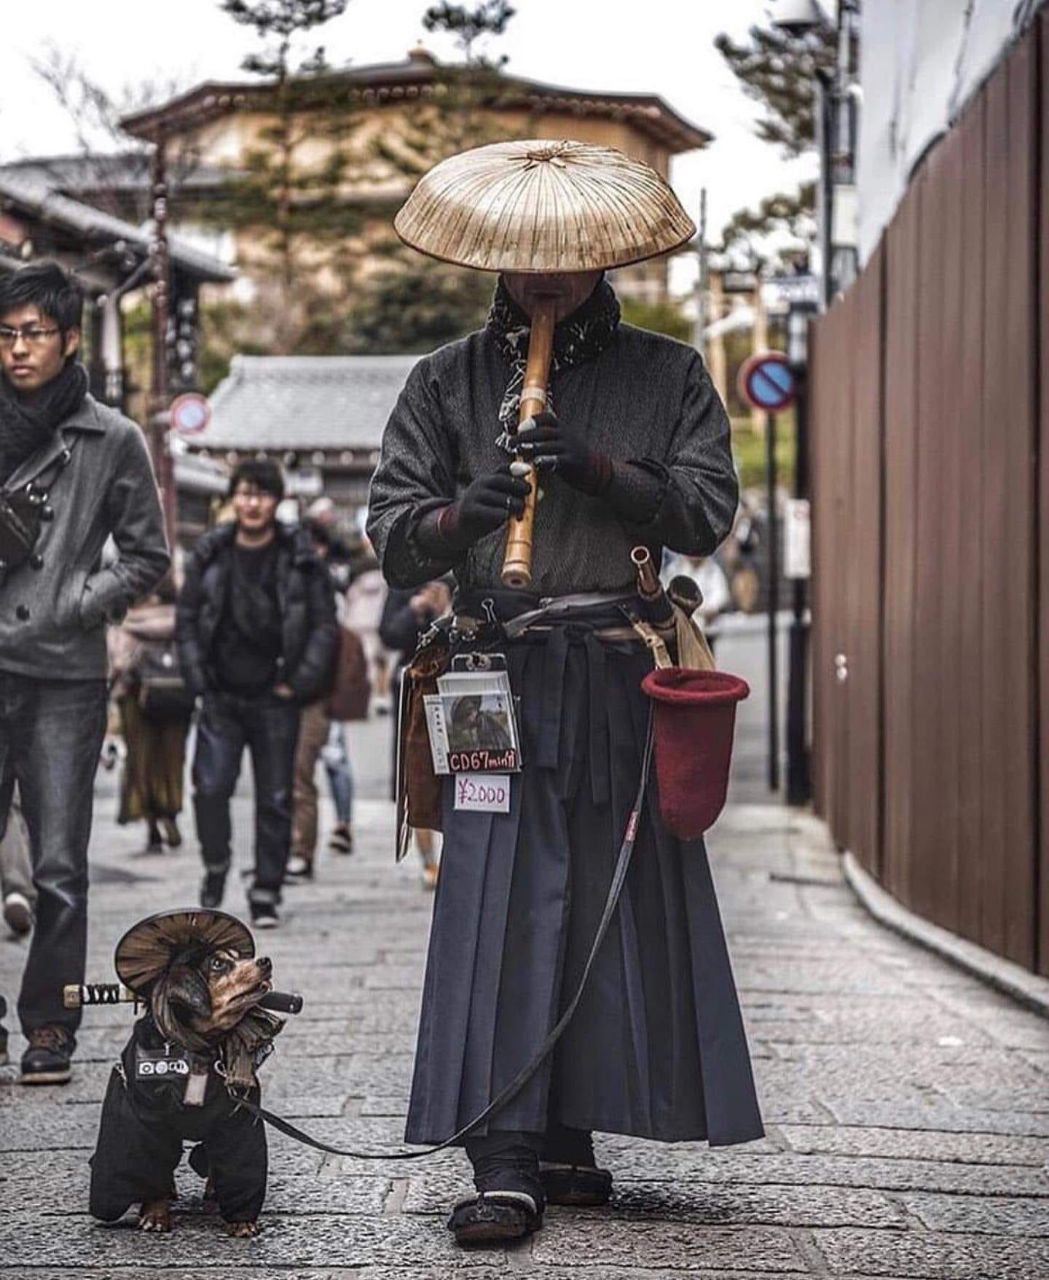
{"x": 482, "y": 792}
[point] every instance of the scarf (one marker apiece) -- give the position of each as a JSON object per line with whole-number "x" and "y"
{"x": 579, "y": 337}
{"x": 239, "y": 1049}
{"x": 28, "y": 423}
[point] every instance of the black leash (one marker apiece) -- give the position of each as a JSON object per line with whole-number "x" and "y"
{"x": 522, "y": 1078}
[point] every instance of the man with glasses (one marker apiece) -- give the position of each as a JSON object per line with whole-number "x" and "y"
{"x": 257, "y": 637}
{"x": 73, "y": 474}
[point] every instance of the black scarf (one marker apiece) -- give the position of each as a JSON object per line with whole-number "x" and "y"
{"x": 577, "y": 338}
{"x": 28, "y": 423}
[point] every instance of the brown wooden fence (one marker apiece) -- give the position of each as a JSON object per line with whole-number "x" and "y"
{"x": 930, "y": 386}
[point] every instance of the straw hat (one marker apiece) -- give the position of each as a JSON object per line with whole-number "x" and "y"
{"x": 146, "y": 951}
{"x": 543, "y": 206}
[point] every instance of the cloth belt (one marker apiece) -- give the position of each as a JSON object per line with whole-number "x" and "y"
{"x": 591, "y": 619}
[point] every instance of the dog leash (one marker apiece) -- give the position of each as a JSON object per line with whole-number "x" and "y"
{"x": 511, "y": 1090}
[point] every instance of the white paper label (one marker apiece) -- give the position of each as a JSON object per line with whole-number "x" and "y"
{"x": 797, "y": 562}
{"x": 483, "y": 792}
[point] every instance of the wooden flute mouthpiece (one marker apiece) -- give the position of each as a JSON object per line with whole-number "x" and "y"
{"x": 657, "y": 607}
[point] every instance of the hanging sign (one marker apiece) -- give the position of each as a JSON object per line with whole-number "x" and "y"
{"x": 190, "y": 414}
{"x": 797, "y": 558}
{"x": 766, "y": 381}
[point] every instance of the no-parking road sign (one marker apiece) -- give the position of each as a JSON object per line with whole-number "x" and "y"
{"x": 766, "y": 381}
{"x": 190, "y": 413}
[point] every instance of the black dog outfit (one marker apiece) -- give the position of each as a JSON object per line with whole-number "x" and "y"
{"x": 163, "y": 1094}
{"x": 145, "y": 1123}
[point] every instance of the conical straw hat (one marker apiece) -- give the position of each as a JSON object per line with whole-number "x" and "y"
{"x": 543, "y": 206}
{"x": 148, "y": 948}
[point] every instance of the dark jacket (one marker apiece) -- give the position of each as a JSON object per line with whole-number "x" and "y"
{"x": 646, "y": 401}
{"x": 304, "y": 595}
{"x": 144, "y": 1124}
{"x": 53, "y": 610}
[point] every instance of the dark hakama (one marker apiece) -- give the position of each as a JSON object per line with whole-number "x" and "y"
{"x": 657, "y": 1047}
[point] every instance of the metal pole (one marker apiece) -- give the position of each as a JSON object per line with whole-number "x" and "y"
{"x": 825, "y": 186}
{"x": 799, "y": 781}
{"x": 698, "y": 339}
{"x": 773, "y": 599}
{"x": 159, "y": 398}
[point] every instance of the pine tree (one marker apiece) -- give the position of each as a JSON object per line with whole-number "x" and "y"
{"x": 777, "y": 233}
{"x": 293, "y": 209}
{"x": 778, "y": 69}
{"x": 414, "y": 303}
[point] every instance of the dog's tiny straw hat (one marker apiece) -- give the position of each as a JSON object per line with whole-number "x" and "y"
{"x": 146, "y": 951}
{"x": 543, "y": 206}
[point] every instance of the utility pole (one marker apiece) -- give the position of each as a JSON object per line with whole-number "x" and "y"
{"x": 699, "y": 340}
{"x": 159, "y": 398}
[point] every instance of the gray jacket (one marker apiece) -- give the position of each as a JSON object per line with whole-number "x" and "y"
{"x": 53, "y": 610}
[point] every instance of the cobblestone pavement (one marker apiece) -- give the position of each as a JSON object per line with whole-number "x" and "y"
{"x": 907, "y": 1106}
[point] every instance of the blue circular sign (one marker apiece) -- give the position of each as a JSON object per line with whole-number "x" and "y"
{"x": 766, "y": 381}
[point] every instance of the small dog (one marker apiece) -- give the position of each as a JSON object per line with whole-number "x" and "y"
{"x": 189, "y": 1056}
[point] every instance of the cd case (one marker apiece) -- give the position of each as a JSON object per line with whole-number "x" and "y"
{"x": 472, "y": 724}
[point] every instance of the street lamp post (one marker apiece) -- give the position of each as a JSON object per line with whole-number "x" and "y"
{"x": 835, "y": 108}
{"x": 163, "y": 462}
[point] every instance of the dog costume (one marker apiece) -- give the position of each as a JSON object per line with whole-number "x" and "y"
{"x": 162, "y": 1095}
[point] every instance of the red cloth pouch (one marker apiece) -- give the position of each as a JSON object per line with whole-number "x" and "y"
{"x": 695, "y": 716}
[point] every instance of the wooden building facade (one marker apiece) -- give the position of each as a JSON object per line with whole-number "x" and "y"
{"x": 930, "y": 388}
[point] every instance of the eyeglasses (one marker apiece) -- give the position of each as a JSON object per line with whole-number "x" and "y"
{"x": 246, "y": 495}
{"x": 32, "y": 335}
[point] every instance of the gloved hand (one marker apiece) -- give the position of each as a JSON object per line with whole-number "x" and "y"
{"x": 484, "y": 506}
{"x": 557, "y": 446}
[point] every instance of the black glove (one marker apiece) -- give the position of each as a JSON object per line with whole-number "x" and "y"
{"x": 484, "y": 507}
{"x": 557, "y": 446}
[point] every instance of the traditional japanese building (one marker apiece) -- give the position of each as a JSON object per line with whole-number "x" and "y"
{"x": 321, "y": 417}
{"x": 402, "y": 117}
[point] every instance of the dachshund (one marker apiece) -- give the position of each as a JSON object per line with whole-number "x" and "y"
{"x": 189, "y": 1056}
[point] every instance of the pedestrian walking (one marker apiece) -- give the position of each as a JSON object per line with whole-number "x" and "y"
{"x": 365, "y": 599}
{"x": 638, "y": 452}
{"x": 16, "y": 872}
{"x": 154, "y": 706}
{"x": 314, "y": 735}
{"x": 256, "y": 631}
{"x": 75, "y": 474}
{"x": 335, "y": 755}
{"x": 406, "y": 614}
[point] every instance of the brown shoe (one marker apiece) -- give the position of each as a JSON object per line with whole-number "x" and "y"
{"x": 46, "y": 1061}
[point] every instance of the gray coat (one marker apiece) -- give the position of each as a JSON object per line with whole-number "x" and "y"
{"x": 53, "y": 610}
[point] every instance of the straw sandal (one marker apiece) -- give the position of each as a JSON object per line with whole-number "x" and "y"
{"x": 492, "y": 1217}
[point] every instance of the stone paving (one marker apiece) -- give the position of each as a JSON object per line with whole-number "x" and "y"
{"x": 907, "y": 1106}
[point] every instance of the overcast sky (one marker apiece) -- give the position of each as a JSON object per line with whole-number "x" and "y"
{"x": 654, "y": 46}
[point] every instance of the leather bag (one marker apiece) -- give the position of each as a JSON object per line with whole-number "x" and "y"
{"x": 418, "y": 786}
{"x": 351, "y": 691}
{"x": 162, "y": 691}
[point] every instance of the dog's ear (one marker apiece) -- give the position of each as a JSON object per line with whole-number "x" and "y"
{"x": 185, "y": 986}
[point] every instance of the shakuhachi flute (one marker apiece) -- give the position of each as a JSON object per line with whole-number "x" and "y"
{"x": 76, "y": 995}
{"x": 517, "y": 563}
{"x": 657, "y": 607}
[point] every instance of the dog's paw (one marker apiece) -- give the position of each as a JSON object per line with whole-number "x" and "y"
{"x": 155, "y": 1216}
{"x": 242, "y": 1230}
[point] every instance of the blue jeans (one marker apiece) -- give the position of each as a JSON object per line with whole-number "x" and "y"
{"x": 51, "y": 734}
{"x": 269, "y": 727}
{"x": 336, "y": 757}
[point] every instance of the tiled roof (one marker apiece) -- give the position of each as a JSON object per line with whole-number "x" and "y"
{"x": 280, "y": 403}
{"x": 420, "y": 76}
{"x": 34, "y": 193}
